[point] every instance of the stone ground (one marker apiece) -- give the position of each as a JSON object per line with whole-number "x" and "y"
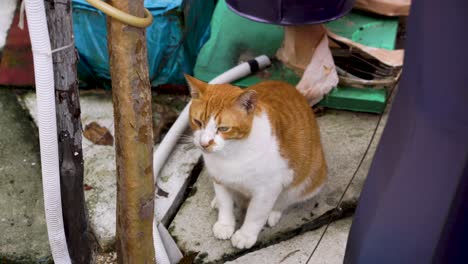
{"x": 298, "y": 249}
{"x": 23, "y": 233}
{"x": 331, "y": 249}
{"x": 99, "y": 162}
{"x": 7, "y": 8}
{"x": 345, "y": 136}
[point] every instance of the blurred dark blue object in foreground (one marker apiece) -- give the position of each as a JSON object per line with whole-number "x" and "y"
{"x": 291, "y": 12}
{"x": 414, "y": 205}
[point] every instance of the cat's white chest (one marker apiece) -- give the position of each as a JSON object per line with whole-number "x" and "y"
{"x": 251, "y": 164}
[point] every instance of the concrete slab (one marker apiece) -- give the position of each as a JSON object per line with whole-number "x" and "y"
{"x": 23, "y": 233}
{"x": 331, "y": 248}
{"x": 7, "y": 10}
{"x": 345, "y": 136}
{"x": 298, "y": 250}
{"x": 99, "y": 162}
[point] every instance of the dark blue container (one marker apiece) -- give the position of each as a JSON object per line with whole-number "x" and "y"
{"x": 291, "y": 12}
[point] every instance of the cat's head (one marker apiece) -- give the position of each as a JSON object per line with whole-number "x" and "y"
{"x": 220, "y": 114}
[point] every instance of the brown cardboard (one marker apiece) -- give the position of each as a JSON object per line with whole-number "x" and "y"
{"x": 392, "y": 58}
{"x": 385, "y": 7}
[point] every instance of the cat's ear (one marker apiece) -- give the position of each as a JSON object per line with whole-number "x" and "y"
{"x": 197, "y": 87}
{"x": 247, "y": 100}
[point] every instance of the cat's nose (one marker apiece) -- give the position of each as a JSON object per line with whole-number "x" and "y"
{"x": 206, "y": 145}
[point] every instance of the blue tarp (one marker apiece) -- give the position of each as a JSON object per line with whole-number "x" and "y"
{"x": 174, "y": 38}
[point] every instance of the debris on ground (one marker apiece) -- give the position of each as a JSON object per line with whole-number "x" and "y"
{"x": 107, "y": 258}
{"x": 98, "y": 134}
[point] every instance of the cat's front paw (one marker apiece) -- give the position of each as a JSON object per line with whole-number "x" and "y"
{"x": 222, "y": 230}
{"x": 243, "y": 240}
{"x": 274, "y": 218}
{"x": 214, "y": 204}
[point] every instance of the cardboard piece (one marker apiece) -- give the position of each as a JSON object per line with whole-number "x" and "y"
{"x": 392, "y": 58}
{"x": 306, "y": 50}
{"x": 385, "y": 7}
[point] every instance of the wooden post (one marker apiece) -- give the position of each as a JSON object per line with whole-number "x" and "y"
{"x": 131, "y": 93}
{"x": 59, "y": 20}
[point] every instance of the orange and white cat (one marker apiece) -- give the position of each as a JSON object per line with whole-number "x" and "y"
{"x": 262, "y": 144}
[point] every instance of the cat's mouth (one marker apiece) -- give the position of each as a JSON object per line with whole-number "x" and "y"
{"x": 206, "y": 151}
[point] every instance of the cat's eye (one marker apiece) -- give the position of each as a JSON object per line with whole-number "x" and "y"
{"x": 223, "y": 129}
{"x": 197, "y": 122}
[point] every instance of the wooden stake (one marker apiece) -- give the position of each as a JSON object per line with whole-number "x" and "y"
{"x": 59, "y": 20}
{"x": 131, "y": 94}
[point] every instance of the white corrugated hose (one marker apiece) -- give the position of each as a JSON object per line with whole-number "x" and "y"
{"x": 44, "y": 77}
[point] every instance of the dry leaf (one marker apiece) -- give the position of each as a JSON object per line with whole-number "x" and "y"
{"x": 98, "y": 135}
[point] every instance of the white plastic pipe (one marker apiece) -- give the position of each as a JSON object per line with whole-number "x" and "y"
{"x": 44, "y": 77}
{"x": 159, "y": 248}
{"x": 242, "y": 70}
{"x": 181, "y": 124}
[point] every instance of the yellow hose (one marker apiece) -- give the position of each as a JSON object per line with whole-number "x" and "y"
{"x": 122, "y": 16}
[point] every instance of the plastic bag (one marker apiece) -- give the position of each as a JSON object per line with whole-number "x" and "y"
{"x": 320, "y": 75}
{"x": 305, "y": 50}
